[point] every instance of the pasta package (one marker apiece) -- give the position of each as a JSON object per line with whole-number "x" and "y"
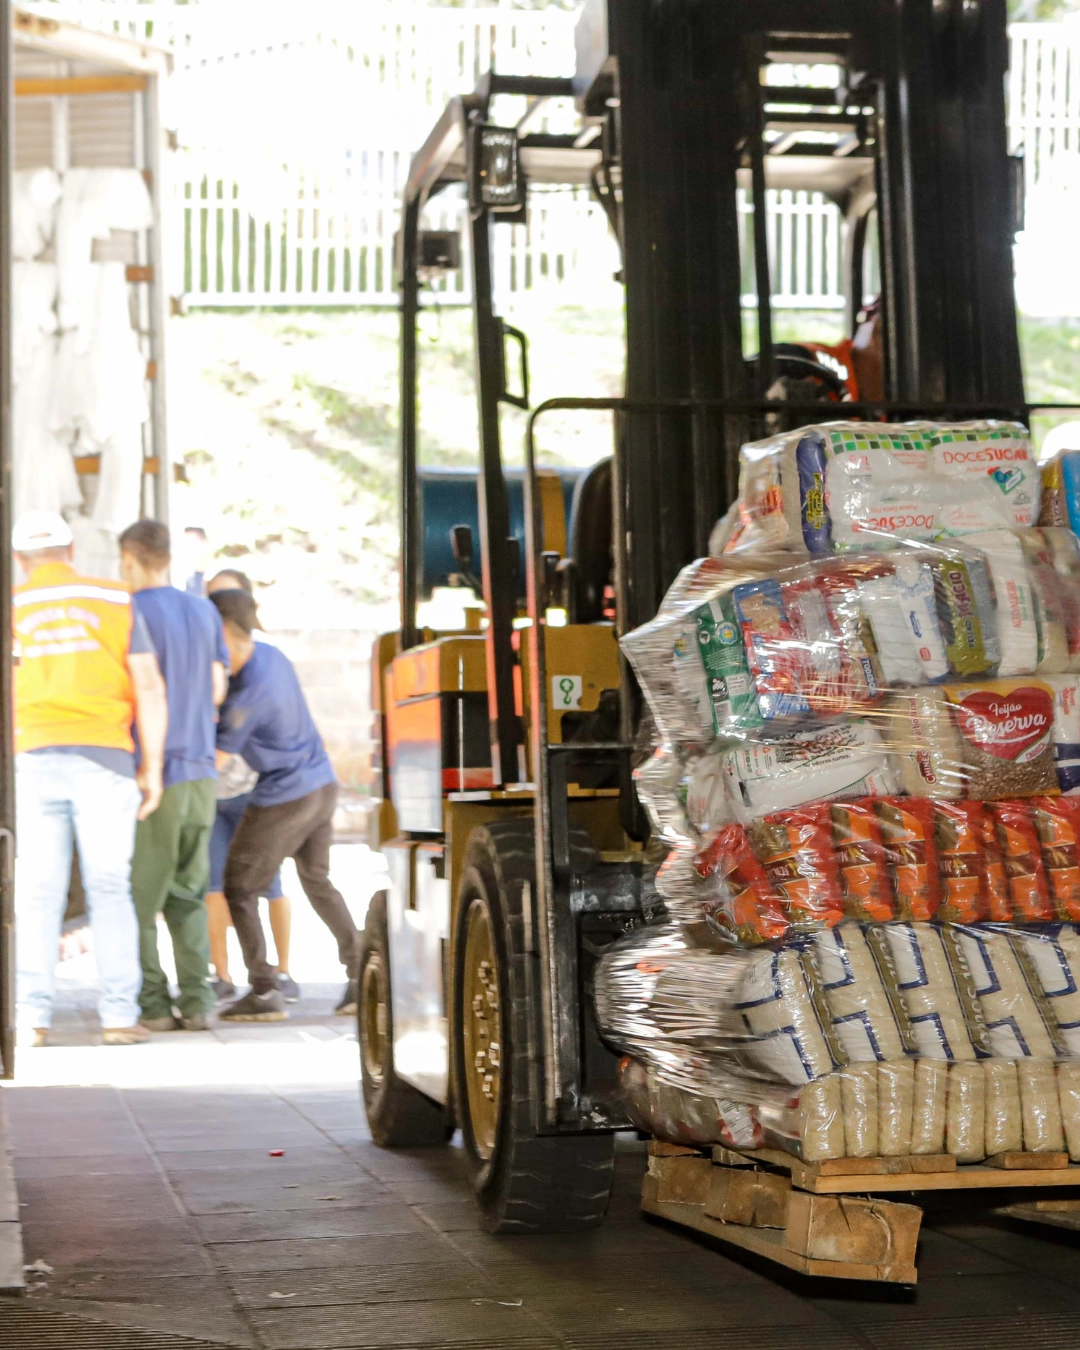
{"x": 1022, "y": 856}
{"x": 864, "y": 880}
{"x": 742, "y": 903}
{"x": 907, "y": 841}
{"x": 795, "y": 849}
{"x": 965, "y": 872}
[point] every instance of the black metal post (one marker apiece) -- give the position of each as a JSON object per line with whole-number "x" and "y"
{"x": 494, "y": 514}
{"x": 762, "y": 277}
{"x": 411, "y": 544}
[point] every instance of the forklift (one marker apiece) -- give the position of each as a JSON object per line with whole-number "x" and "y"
{"x": 516, "y": 847}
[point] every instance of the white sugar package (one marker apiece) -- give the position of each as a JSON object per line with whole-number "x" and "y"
{"x": 852, "y": 485}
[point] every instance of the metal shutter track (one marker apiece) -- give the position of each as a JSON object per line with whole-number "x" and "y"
{"x": 24, "y": 1328}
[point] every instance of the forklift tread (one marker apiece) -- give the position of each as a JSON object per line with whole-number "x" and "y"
{"x": 530, "y": 1183}
{"x": 398, "y": 1115}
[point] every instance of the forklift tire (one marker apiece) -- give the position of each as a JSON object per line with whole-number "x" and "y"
{"x": 398, "y": 1115}
{"x": 523, "y": 1182}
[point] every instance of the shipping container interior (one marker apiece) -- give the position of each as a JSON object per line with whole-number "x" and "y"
{"x": 88, "y": 100}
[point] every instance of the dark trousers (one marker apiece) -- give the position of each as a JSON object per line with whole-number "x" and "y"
{"x": 265, "y": 837}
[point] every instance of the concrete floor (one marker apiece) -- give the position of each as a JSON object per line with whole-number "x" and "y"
{"x": 148, "y": 1190}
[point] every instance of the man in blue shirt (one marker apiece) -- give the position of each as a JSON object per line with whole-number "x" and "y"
{"x": 170, "y": 870}
{"x": 265, "y": 718}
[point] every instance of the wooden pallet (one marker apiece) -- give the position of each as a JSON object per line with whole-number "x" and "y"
{"x": 929, "y": 1172}
{"x": 826, "y": 1218}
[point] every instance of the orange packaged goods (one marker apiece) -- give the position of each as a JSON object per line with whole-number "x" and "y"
{"x": 1022, "y": 855}
{"x": 795, "y": 849}
{"x": 856, "y": 834}
{"x": 907, "y": 837}
{"x": 747, "y": 907}
{"x": 1057, "y": 820}
{"x": 958, "y": 836}
{"x": 997, "y": 899}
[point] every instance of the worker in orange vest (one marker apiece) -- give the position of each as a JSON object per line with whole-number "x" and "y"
{"x": 85, "y": 671}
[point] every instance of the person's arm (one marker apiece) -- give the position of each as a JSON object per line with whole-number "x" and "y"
{"x": 220, "y": 665}
{"x": 152, "y": 719}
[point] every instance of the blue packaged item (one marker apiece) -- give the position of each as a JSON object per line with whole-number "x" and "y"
{"x": 772, "y": 651}
{"x": 816, "y": 526}
{"x": 1070, "y": 486}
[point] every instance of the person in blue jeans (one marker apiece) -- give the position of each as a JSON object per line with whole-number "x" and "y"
{"x": 86, "y": 670}
{"x": 236, "y": 782}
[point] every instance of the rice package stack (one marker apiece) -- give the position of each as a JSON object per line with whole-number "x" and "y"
{"x": 867, "y": 777}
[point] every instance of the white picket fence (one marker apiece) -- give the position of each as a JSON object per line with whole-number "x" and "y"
{"x": 298, "y": 141}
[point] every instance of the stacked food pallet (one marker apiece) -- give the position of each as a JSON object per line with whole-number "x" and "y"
{"x": 866, "y": 775}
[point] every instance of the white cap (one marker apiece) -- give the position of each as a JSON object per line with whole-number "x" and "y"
{"x": 40, "y": 529}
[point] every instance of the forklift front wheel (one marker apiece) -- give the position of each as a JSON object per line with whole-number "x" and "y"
{"x": 523, "y": 1182}
{"x": 398, "y": 1115}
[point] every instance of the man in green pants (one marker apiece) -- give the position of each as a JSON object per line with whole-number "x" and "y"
{"x": 171, "y": 867}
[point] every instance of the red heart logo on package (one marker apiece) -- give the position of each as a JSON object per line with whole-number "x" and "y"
{"x": 1012, "y": 726}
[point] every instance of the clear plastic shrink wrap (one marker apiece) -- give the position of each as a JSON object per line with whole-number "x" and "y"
{"x": 867, "y": 776}
{"x": 826, "y": 488}
{"x": 863, "y": 1039}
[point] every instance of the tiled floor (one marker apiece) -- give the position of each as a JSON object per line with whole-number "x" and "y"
{"x": 160, "y": 1207}
{"x": 148, "y": 1187}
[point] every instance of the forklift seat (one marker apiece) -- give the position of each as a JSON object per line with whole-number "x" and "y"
{"x": 590, "y": 543}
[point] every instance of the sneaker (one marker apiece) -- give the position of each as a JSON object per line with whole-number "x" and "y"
{"x": 290, "y": 990}
{"x": 125, "y": 1035}
{"x": 349, "y": 999}
{"x": 169, "y": 1023}
{"x": 200, "y": 1022}
{"x": 253, "y": 1007}
{"x": 223, "y": 989}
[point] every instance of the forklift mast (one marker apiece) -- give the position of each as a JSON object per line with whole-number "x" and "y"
{"x": 920, "y": 98}
{"x": 503, "y": 895}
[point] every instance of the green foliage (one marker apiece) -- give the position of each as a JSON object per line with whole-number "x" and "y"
{"x": 1041, "y": 11}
